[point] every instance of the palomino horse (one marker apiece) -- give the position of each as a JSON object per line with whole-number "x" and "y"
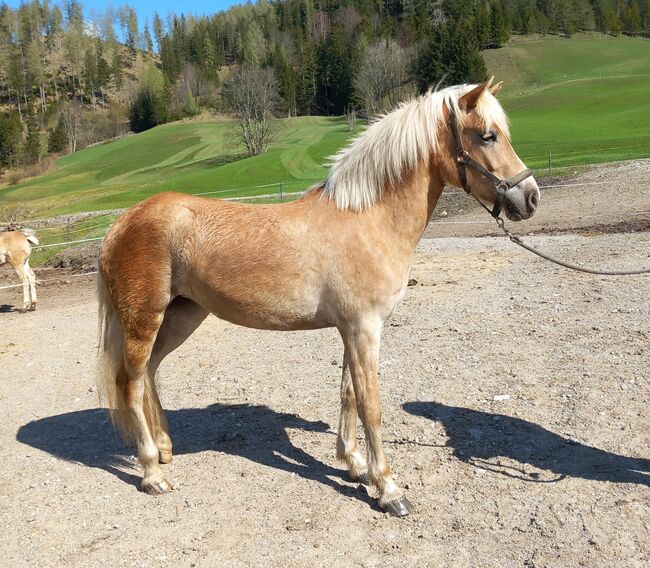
{"x": 15, "y": 248}
{"x": 339, "y": 257}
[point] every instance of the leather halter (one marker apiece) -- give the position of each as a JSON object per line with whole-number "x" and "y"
{"x": 464, "y": 159}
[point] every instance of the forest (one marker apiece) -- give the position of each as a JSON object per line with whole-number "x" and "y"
{"x": 69, "y": 78}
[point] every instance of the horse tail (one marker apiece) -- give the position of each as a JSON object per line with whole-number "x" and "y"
{"x": 30, "y": 236}
{"x": 112, "y": 377}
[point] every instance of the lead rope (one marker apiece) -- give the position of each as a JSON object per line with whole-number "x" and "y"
{"x": 518, "y": 241}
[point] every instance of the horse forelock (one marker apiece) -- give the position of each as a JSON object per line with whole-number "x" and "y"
{"x": 395, "y": 144}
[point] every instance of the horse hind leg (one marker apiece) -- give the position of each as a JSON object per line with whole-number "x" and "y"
{"x": 141, "y": 405}
{"x": 181, "y": 319}
{"x": 346, "y": 441}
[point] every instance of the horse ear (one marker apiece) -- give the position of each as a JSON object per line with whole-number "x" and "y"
{"x": 469, "y": 101}
{"x": 494, "y": 89}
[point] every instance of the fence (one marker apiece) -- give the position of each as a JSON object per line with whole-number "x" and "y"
{"x": 281, "y": 194}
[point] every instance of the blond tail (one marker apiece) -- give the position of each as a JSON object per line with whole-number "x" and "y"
{"x": 111, "y": 375}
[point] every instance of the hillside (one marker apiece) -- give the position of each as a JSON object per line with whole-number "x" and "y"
{"x": 527, "y": 64}
{"x": 194, "y": 157}
{"x": 586, "y": 99}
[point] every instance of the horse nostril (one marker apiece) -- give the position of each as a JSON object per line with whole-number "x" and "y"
{"x": 533, "y": 200}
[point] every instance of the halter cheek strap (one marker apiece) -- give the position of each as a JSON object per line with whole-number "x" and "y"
{"x": 464, "y": 159}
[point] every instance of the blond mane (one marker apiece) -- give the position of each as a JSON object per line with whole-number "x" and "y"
{"x": 381, "y": 156}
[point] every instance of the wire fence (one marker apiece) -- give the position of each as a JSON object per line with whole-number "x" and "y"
{"x": 50, "y": 280}
{"x": 279, "y": 195}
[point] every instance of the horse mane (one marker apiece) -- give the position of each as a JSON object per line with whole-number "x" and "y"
{"x": 395, "y": 144}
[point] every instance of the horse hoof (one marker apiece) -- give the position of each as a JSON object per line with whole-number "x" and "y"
{"x": 400, "y": 507}
{"x": 165, "y": 457}
{"x": 155, "y": 487}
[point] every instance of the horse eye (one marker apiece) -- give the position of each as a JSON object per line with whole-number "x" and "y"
{"x": 489, "y": 137}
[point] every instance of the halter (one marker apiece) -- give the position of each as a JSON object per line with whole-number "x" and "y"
{"x": 464, "y": 159}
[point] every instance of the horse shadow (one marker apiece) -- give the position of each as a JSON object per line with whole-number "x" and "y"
{"x": 254, "y": 432}
{"x": 8, "y": 309}
{"x": 480, "y": 438}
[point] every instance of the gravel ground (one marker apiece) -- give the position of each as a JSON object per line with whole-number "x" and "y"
{"x": 515, "y": 398}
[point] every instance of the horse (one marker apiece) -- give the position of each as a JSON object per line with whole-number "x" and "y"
{"x": 16, "y": 248}
{"x": 340, "y": 256}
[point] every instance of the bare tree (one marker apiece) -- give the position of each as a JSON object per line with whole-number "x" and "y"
{"x": 382, "y": 79}
{"x": 251, "y": 96}
{"x": 71, "y": 117}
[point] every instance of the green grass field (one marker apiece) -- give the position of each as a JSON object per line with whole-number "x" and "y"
{"x": 585, "y": 99}
{"x": 194, "y": 157}
{"x": 529, "y": 64}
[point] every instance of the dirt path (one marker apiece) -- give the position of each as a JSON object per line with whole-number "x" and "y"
{"x": 515, "y": 400}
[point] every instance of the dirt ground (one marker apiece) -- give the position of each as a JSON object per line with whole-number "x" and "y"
{"x": 515, "y": 404}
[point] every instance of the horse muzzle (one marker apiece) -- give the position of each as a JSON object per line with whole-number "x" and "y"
{"x": 521, "y": 200}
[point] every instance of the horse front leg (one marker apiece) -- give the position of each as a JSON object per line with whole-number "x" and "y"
{"x": 24, "y": 278}
{"x": 346, "y": 441}
{"x": 32, "y": 286}
{"x": 362, "y": 346}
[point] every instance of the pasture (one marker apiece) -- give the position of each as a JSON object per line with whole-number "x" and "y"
{"x": 514, "y": 399}
{"x": 193, "y": 157}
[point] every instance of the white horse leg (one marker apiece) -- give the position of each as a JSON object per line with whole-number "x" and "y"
{"x": 19, "y": 267}
{"x": 182, "y": 317}
{"x": 346, "y": 441}
{"x": 32, "y": 285}
{"x": 362, "y": 344}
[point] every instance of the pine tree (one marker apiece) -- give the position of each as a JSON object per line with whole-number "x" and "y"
{"x": 430, "y": 65}
{"x": 31, "y": 150}
{"x": 58, "y": 139}
{"x": 306, "y": 80}
{"x": 286, "y": 78}
{"x": 483, "y": 26}
{"x": 334, "y": 75}
{"x": 10, "y": 135}
{"x": 498, "y": 24}
{"x": 146, "y": 39}
{"x": 148, "y": 110}
{"x": 190, "y": 108}
{"x": 451, "y": 56}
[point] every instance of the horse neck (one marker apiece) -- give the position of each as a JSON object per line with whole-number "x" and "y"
{"x": 407, "y": 208}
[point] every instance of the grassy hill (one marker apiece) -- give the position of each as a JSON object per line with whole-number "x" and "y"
{"x": 586, "y": 99}
{"x": 193, "y": 157}
{"x": 528, "y": 64}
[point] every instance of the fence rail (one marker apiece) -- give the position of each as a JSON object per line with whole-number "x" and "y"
{"x": 281, "y": 194}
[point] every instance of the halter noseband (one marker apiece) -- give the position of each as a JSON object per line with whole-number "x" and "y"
{"x": 464, "y": 159}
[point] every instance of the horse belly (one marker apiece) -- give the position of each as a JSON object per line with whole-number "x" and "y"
{"x": 260, "y": 308}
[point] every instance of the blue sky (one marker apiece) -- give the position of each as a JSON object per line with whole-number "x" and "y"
{"x": 146, "y": 8}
